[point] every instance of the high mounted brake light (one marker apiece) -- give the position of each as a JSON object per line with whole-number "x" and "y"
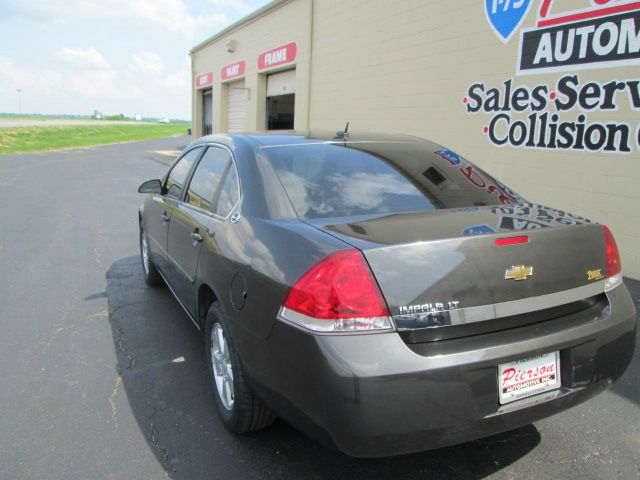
{"x": 511, "y": 240}
{"x": 337, "y": 295}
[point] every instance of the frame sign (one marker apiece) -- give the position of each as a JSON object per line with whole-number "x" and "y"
{"x": 278, "y": 56}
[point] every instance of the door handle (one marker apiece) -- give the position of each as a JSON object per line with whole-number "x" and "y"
{"x": 197, "y": 238}
{"x": 165, "y": 217}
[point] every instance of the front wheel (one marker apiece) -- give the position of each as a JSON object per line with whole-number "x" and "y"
{"x": 241, "y": 411}
{"x": 151, "y": 274}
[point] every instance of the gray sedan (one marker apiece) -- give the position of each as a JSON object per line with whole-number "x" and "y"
{"x": 382, "y": 293}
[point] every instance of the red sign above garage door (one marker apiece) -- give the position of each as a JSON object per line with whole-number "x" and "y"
{"x": 233, "y": 70}
{"x": 204, "y": 79}
{"x": 278, "y": 56}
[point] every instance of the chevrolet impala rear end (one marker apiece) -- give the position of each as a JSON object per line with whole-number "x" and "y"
{"x": 397, "y": 298}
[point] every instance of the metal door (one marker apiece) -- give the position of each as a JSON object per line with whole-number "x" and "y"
{"x": 188, "y": 230}
{"x": 207, "y": 112}
{"x": 236, "y": 107}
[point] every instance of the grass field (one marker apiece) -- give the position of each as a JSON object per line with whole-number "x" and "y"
{"x": 24, "y": 117}
{"x": 35, "y": 139}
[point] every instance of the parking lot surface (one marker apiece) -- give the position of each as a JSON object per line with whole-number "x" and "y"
{"x": 104, "y": 377}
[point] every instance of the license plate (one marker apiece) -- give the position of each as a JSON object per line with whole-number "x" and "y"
{"x": 528, "y": 377}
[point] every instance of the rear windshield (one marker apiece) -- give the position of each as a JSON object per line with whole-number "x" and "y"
{"x": 333, "y": 180}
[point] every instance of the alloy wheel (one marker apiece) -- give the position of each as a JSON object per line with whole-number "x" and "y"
{"x": 222, "y": 368}
{"x": 145, "y": 252}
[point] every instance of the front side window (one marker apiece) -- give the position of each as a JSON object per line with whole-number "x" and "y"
{"x": 178, "y": 175}
{"x": 206, "y": 177}
{"x": 229, "y": 194}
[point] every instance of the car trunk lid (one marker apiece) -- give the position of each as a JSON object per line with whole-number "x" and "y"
{"x": 445, "y": 267}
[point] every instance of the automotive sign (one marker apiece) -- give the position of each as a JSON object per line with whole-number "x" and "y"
{"x": 604, "y": 35}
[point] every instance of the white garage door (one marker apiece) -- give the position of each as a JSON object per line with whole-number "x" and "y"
{"x": 236, "y": 107}
{"x": 282, "y": 83}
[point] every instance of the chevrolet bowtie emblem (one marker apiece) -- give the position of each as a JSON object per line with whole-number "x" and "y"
{"x": 518, "y": 272}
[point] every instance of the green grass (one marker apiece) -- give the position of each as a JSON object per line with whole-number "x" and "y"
{"x": 35, "y": 139}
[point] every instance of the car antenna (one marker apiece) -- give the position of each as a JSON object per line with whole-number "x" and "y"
{"x": 344, "y": 134}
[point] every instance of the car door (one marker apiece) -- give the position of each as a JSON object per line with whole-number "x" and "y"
{"x": 189, "y": 221}
{"x": 158, "y": 209}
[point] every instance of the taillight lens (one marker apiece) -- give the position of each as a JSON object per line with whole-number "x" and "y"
{"x": 614, "y": 268}
{"x": 338, "y": 294}
{"x": 613, "y": 255}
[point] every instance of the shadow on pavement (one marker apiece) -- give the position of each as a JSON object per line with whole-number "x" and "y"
{"x": 164, "y": 375}
{"x": 628, "y": 386}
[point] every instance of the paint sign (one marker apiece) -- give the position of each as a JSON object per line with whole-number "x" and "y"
{"x": 204, "y": 80}
{"x": 278, "y": 56}
{"x": 233, "y": 70}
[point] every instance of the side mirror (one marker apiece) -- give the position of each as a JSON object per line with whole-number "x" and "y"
{"x": 151, "y": 186}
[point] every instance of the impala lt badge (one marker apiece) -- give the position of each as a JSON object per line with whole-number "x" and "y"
{"x": 518, "y": 272}
{"x": 429, "y": 307}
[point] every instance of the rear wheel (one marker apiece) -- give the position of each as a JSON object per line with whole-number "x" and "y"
{"x": 241, "y": 411}
{"x": 151, "y": 275}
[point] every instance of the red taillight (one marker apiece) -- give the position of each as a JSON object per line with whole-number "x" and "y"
{"x": 340, "y": 286}
{"x": 613, "y": 255}
{"x": 511, "y": 240}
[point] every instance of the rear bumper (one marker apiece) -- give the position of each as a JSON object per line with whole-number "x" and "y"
{"x": 373, "y": 395}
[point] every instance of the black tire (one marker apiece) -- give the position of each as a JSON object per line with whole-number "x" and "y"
{"x": 151, "y": 275}
{"x": 246, "y": 412}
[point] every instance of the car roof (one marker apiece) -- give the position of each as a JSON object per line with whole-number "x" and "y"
{"x": 275, "y": 139}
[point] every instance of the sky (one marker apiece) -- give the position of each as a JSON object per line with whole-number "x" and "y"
{"x": 113, "y": 56}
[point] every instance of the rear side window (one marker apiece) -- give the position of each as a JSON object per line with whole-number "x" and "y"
{"x": 229, "y": 194}
{"x": 206, "y": 178}
{"x": 178, "y": 175}
{"x": 333, "y": 180}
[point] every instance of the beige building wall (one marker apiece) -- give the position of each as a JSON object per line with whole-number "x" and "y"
{"x": 287, "y": 22}
{"x": 406, "y": 66}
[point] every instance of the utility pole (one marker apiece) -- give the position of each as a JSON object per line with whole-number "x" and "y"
{"x": 19, "y": 101}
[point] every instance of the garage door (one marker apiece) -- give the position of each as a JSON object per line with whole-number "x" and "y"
{"x": 282, "y": 83}
{"x": 281, "y": 100}
{"x": 207, "y": 112}
{"x": 236, "y": 107}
